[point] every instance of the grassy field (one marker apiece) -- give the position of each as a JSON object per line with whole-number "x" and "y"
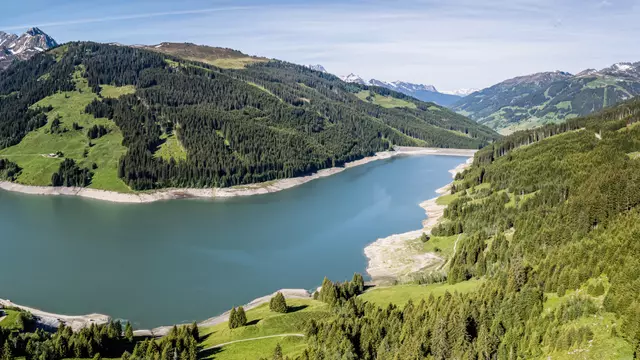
{"x": 291, "y": 347}
{"x": 385, "y": 101}
{"x": 447, "y": 199}
{"x": 441, "y": 245}
{"x": 238, "y": 63}
{"x": 263, "y": 322}
{"x": 171, "y": 148}
{"x": 400, "y": 294}
{"x": 10, "y": 321}
{"x": 115, "y": 92}
{"x": 31, "y": 154}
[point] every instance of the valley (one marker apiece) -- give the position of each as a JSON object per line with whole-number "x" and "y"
{"x": 398, "y": 221}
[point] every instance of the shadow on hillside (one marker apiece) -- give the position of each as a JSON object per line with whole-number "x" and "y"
{"x": 209, "y": 354}
{"x": 292, "y": 309}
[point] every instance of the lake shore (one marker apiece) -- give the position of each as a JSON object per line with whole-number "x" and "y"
{"x": 50, "y": 321}
{"x": 383, "y": 265}
{"x": 212, "y": 193}
{"x": 47, "y": 320}
{"x": 392, "y": 257}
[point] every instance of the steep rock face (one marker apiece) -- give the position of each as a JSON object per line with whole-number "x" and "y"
{"x": 18, "y": 48}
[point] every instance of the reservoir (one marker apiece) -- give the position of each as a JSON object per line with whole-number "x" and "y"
{"x": 184, "y": 260}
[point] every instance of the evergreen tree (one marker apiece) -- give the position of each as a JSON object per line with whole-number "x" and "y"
{"x": 278, "y": 303}
{"x": 233, "y": 319}
{"x": 7, "y": 354}
{"x": 128, "y": 332}
{"x": 277, "y": 353}
{"x": 241, "y": 316}
{"x": 195, "y": 332}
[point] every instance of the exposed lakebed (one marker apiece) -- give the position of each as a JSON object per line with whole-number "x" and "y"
{"x": 184, "y": 260}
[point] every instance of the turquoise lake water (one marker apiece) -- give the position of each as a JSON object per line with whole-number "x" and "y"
{"x": 183, "y": 260}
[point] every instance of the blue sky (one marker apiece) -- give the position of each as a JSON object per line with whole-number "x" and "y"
{"x": 448, "y": 43}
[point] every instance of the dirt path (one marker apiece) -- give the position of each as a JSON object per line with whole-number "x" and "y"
{"x": 252, "y": 339}
{"x": 455, "y": 247}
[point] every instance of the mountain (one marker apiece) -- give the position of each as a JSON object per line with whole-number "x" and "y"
{"x": 427, "y": 93}
{"x": 217, "y": 56}
{"x": 353, "y": 78}
{"x": 550, "y": 97}
{"x": 17, "y": 48}
{"x": 317, "y": 67}
{"x": 135, "y": 118}
{"x": 546, "y": 248}
{"x": 461, "y": 92}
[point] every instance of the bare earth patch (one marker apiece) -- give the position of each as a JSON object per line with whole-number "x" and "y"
{"x": 395, "y": 257}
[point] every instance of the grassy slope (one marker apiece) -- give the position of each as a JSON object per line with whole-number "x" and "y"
{"x": 291, "y": 347}
{"x": 9, "y": 322}
{"x": 400, "y": 294}
{"x": 263, "y": 322}
{"x": 30, "y": 153}
{"x": 171, "y": 148}
{"x": 385, "y": 101}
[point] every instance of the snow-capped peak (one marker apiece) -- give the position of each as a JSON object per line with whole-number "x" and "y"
{"x": 317, "y": 67}
{"x": 24, "y": 46}
{"x": 353, "y": 78}
{"x": 414, "y": 87}
{"x": 461, "y": 92}
{"x": 623, "y": 66}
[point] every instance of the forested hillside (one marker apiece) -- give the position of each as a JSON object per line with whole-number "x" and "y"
{"x": 551, "y": 224}
{"x": 529, "y": 101}
{"x": 130, "y": 118}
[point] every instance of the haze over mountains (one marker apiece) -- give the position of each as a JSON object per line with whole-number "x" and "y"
{"x": 23, "y": 47}
{"x": 423, "y": 92}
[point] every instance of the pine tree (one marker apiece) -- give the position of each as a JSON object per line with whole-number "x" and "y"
{"x": 195, "y": 332}
{"x": 233, "y": 319}
{"x": 241, "y": 317}
{"x": 328, "y": 292}
{"x": 358, "y": 282}
{"x": 278, "y": 303}
{"x": 128, "y": 332}
{"x": 277, "y": 353}
{"x": 7, "y": 354}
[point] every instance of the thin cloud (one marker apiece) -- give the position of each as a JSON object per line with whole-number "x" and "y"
{"x": 130, "y": 17}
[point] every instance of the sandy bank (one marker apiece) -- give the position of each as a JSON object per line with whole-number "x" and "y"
{"x": 393, "y": 257}
{"x": 49, "y": 320}
{"x": 245, "y": 190}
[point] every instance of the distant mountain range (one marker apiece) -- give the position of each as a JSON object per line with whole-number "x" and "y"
{"x": 17, "y": 48}
{"x": 548, "y": 97}
{"x": 461, "y": 92}
{"x": 422, "y": 92}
